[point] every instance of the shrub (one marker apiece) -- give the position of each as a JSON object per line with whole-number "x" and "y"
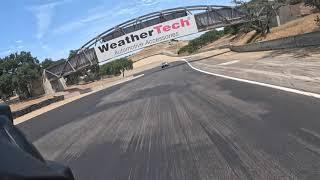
{"x": 317, "y": 20}
{"x": 116, "y": 67}
{"x": 201, "y": 41}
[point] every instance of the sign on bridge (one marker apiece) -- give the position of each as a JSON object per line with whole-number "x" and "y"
{"x": 147, "y": 30}
{"x": 146, "y": 37}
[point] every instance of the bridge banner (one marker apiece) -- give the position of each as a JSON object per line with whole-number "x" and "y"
{"x": 146, "y": 37}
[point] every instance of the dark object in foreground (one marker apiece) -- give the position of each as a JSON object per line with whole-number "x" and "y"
{"x": 164, "y": 65}
{"x": 20, "y": 159}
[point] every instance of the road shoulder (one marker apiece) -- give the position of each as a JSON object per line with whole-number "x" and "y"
{"x": 71, "y": 99}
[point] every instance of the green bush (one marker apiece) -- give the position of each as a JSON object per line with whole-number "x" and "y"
{"x": 201, "y": 41}
{"x": 73, "y": 78}
{"x": 116, "y": 67}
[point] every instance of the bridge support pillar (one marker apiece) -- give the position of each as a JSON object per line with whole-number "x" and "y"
{"x": 53, "y": 86}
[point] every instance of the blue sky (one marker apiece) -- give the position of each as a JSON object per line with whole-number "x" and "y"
{"x": 50, "y": 28}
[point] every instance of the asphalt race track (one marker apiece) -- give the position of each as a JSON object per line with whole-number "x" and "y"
{"x": 180, "y": 124}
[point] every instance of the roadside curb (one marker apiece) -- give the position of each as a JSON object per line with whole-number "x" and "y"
{"x": 38, "y": 112}
{"x": 36, "y": 106}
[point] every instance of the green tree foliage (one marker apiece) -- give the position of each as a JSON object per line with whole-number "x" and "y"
{"x": 92, "y": 73}
{"x": 6, "y": 87}
{"x": 233, "y": 29}
{"x": 116, "y": 67}
{"x": 18, "y": 71}
{"x": 49, "y": 62}
{"x": 72, "y": 53}
{"x": 201, "y": 41}
{"x": 73, "y": 78}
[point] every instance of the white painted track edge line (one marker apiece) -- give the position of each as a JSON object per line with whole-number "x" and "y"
{"x": 305, "y": 93}
{"x": 228, "y": 63}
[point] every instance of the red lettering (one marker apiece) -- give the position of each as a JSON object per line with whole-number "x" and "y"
{"x": 158, "y": 28}
{"x": 175, "y": 26}
{"x": 166, "y": 28}
{"x": 184, "y": 22}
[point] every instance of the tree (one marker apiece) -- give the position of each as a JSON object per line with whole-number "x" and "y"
{"x": 313, "y": 3}
{"x": 29, "y": 70}
{"x": 116, "y": 67}
{"x": 18, "y": 72}
{"x": 72, "y": 53}
{"x": 233, "y": 29}
{"x": 47, "y": 63}
{"x": 201, "y": 41}
{"x": 260, "y": 13}
{"x": 6, "y": 87}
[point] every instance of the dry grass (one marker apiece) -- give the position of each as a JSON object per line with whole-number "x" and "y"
{"x": 302, "y": 25}
{"x": 299, "y": 26}
{"x": 157, "y": 59}
{"x": 170, "y": 47}
{"x": 225, "y": 40}
{"x": 243, "y": 38}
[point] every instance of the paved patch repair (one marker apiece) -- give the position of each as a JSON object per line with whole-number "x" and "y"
{"x": 178, "y": 123}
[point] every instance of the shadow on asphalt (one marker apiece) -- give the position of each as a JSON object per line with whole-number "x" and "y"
{"x": 141, "y": 94}
{"x": 197, "y": 58}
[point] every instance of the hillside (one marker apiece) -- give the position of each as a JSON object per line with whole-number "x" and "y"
{"x": 299, "y": 26}
{"x": 170, "y": 47}
{"x": 302, "y": 25}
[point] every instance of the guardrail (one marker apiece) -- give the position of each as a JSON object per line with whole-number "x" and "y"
{"x": 36, "y": 106}
{"x": 303, "y": 40}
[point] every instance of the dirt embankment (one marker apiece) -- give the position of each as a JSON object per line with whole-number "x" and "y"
{"x": 299, "y": 26}
{"x": 302, "y": 25}
{"x": 170, "y": 48}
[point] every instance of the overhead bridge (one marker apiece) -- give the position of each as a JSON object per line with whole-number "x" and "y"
{"x": 206, "y": 17}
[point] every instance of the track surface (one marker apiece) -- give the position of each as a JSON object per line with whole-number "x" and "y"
{"x": 181, "y": 124}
